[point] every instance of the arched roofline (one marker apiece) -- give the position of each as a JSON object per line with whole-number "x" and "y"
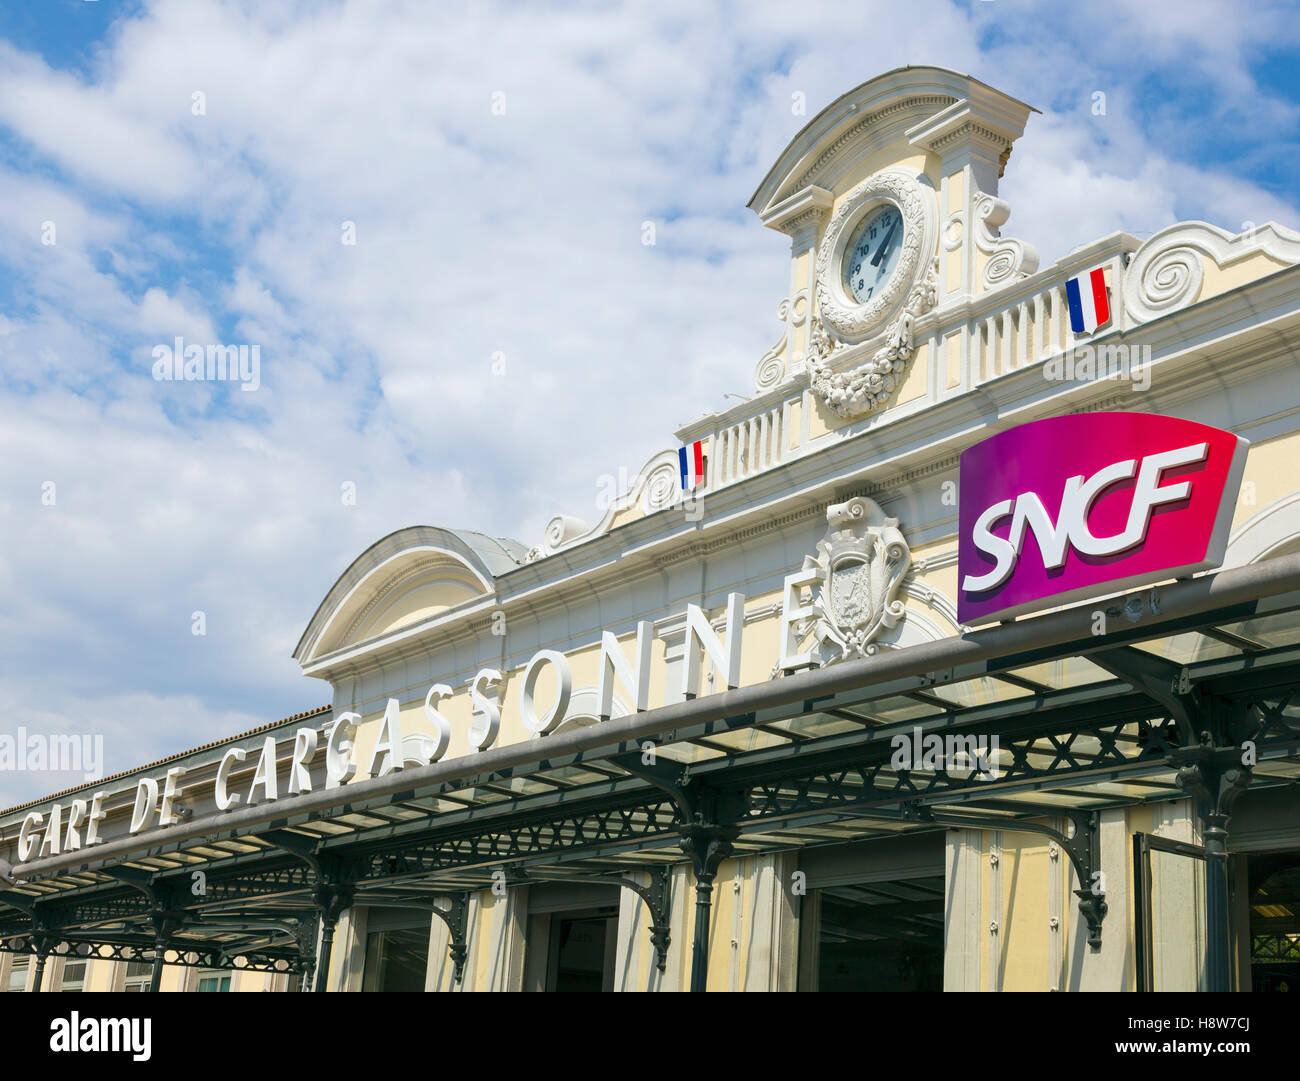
{"x": 823, "y": 135}
{"x": 484, "y": 557}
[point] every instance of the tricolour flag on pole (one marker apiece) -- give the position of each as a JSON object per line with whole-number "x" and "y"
{"x": 691, "y": 459}
{"x": 1089, "y": 306}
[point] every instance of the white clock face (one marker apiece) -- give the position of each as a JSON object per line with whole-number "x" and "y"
{"x": 873, "y": 253}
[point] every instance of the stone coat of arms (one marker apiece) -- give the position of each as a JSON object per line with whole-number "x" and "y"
{"x": 860, "y": 565}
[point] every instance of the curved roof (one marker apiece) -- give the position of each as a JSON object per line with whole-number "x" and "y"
{"x": 483, "y": 557}
{"x": 929, "y": 89}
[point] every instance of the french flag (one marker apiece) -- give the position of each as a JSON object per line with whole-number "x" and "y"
{"x": 691, "y": 459}
{"x": 1089, "y": 306}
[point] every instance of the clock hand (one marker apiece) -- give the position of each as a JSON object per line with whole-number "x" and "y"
{"x": 884, "y": 244}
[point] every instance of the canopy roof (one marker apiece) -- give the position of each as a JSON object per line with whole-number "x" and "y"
{"x": 1084, "y": 722}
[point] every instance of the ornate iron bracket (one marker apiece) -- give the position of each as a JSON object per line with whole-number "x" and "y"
{"x": 1083, "y": 850}
{"x": 457, "y": 920}
{"x": 1163, "y": 681}
{"x": 657, "y": 897}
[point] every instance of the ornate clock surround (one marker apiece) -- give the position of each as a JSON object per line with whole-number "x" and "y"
{"x": 843, "y": 316}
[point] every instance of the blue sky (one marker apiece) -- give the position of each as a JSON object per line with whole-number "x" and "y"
{"x": 476, "y": 233}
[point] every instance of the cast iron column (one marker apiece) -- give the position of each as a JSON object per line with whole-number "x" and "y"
{"x": 159, "y": 949}
{"x": 708, "y": 846}
{"x": 1216, "y": 786}
{"x": 331, "y": 900}
{"x": 40, "y": 969}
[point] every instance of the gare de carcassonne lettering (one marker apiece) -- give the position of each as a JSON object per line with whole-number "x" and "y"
{"x": 157, "y": 802}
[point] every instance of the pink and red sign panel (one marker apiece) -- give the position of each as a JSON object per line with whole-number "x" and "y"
{"x": 1071, "y": 507}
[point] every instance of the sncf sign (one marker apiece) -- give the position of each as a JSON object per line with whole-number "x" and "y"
{"x": 1072, "y": 507}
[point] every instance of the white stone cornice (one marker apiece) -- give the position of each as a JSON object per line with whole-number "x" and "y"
{"x": 794, "y": 213}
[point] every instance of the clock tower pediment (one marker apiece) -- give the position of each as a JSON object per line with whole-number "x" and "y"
{"x": 889, "y": 197}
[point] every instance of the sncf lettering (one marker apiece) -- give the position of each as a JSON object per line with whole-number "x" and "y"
{"x": 1071, "y": 528}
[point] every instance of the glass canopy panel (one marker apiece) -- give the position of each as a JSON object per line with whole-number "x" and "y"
{"x": 1273, "y": 631}
{"x": 983, "y": 691}
{"x": 1281, "y": 768}
{"x": 1188, "y": 648}
{"x": 750, "y": 739}
{"x": 575, "y": 775}
{"x": 814, "y": 725}
{"x": 480, "y": 794}
{"x": 688, "y": 752}
{"x": 895, "y": 708}
{"x": 530, "y": 786}
{"x": 1063, "y": 672}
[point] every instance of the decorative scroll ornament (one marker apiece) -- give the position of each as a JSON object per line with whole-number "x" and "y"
{"x": 1167, "y": 271}
{"x": 1009, "y": 259}
{"x": 776, "y": 365}
{"x": 654, "y": 488}
{"x": 560, "y": 530}
{"x": 860, "y": 565}
{"x": 864, "y": 388}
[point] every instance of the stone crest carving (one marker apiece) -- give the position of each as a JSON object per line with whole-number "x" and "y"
{"x": 860, "y": 565}
{"x": 859, "y": 390}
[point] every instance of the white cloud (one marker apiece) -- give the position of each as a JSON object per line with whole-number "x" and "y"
{"x": 476, "y": 233}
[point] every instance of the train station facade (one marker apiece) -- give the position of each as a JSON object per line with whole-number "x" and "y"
{"x": 962, "y": 654}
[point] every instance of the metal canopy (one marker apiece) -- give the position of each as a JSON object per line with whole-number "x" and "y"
{"x": 1083, "y": 722}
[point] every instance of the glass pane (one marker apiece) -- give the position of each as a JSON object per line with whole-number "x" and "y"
{"x": 1188, "y": 648}
{"x": 881, "y": 936}
{"x": 978, "y": 692}
{"x": 1177, "y": 922}
{"x": 17, "y": 975}
{"x": 581, "y": 946}
{"x": 396, "y": 960}
{"x": 1064, "y": 672}
{"x": 817, "y": 724}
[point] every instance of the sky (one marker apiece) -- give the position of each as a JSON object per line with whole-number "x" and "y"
{"x": 429, "y": 220}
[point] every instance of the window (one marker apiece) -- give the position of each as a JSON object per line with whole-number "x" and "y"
{"x": 74, "y": 975}
{"x": 397, "y": 949}
{"x": 214, "y": 980}
{"x": 583, "y": 948}
{"x": 1168, "y": 881}
{"x": 18, "y": 974}
{"x": 572, "y": 936}
{"x": 138, "y": 975}
{"x": 877, "y": 936}
{"x": 873, "y": 916}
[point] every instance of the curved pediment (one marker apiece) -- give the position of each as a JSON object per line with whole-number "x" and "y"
{"x": 922, "y": 107}
{"x": 405, "y": 578}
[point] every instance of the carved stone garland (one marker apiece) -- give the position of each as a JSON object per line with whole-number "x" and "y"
{"x": 866, "y": 387}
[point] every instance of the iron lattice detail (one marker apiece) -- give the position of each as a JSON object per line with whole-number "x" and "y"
{"x": 237, "y": 885}
{"x": 1275, "y": 948}
{"x": 514, "y": 842}
{"x": 120, "y": 904}
{"x": 872, "y": 780}
{"x": 188, "y": 955}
